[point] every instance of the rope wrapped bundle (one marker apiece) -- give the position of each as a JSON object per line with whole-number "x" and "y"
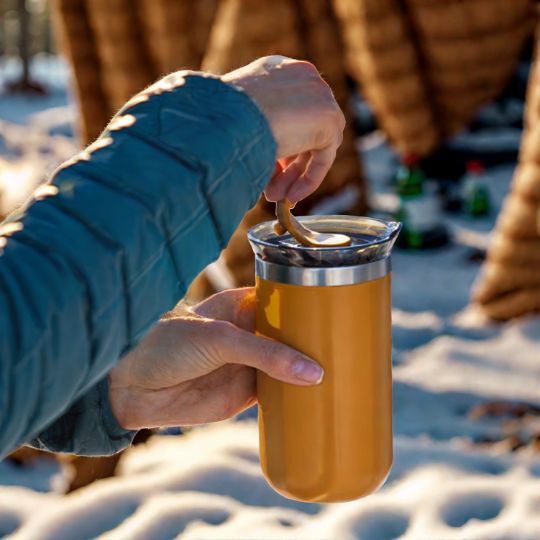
{"x": 168, "y": 32}
{"x": 509, "y": 285}
{"x": 125, "y": 64}
{"x": 117, "y": 47}
{"x": 78, "y": 43}
{"x": 382, "y": 56}
{"x": 426, "y": 65}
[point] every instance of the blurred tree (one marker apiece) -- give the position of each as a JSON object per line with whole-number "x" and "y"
{"x": 24, "y": 41}
{"x": 25, "y": 46}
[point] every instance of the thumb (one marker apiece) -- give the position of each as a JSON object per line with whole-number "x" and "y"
{"x": 275, "y": 359}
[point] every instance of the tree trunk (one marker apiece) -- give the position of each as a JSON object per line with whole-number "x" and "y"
{"x": 24, "y": 42}
{"x": 24, "y": 83}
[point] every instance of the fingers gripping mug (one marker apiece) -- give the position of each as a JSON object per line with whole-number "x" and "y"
{"x": 333, "y": 441}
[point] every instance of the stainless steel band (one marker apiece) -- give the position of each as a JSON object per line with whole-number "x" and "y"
{"x": 322, "y": 277}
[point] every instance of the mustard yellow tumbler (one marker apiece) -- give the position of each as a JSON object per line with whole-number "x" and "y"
{"x": 331, "y": 442}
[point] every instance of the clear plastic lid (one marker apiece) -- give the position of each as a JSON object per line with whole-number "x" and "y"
{"x": 372, "y": 240}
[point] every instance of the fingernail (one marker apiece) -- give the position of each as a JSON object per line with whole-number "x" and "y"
{"x": 308, "y": 371}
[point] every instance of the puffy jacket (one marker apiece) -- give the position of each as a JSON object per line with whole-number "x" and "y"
{"x": 113, "y": 242}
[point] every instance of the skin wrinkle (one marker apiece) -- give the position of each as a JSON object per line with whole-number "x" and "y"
{"x": 186, "y": 397}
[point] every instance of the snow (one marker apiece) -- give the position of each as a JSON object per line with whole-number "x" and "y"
{"x": 208, "y": 485}
{"x": 31, "y": 151}
{"x": 447, "y": 481}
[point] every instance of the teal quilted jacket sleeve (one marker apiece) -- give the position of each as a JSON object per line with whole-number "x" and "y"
{"x": 113, "y": 242}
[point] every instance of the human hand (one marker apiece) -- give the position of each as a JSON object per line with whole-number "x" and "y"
{"x": 305, "y": 119}
{"x": 199, "y": 366}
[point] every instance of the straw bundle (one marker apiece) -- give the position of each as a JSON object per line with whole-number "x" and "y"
{"x": 325, "y": 48}
{"x": 426, "y": 65}
{"x": 382, "y": 56}
{"x": 117, "y": 47}
{"x": 247, "y": 29}
{"x": 470, "y": 50}
{"x": 509, "y": 285}
{"x": 168, "y": 31}
{"x": 77, "y": 41}
{"x": 126, "y": 66}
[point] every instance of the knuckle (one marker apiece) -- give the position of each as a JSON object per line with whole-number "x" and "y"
{"x": 226, "y": 332}
{"x": 309, "y": 72}
{"x": 224, "y": 328}
{"x": 310, "y": 180}
{"x": 271, "y": 357}
{"x": 308, "y": 66}
{"x": 273, "y": 59}
{"x": 338, "y": 115}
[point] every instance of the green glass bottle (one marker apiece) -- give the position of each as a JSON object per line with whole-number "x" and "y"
{"x": 419, "y": 208}
{"x": 476, "y": 198}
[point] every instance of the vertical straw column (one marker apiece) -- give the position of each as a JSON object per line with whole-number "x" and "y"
{"x": 78, "y": 43}
{"x": 176, "y": 31}
{"x": 242, "y": 32}
{"x": 469, "y": 52}
{"x": 426, "y": 66}
{"x": 126, "y": 68}
{"x": 383, "y": 58}
{"x": 509, "y": 285}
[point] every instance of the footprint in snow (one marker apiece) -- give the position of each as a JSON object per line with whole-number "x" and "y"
{"x": 245, "y": 454}
{"x": 9, "y": 523}
{"x": 482, "y": 506}
{"x": 381, "y": 525}
{"x": 169, "y": 523}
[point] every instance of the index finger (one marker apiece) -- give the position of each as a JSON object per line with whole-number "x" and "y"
{"x": 313, "y": 175}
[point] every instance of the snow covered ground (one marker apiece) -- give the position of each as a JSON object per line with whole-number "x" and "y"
{"x": 454, "y": 475}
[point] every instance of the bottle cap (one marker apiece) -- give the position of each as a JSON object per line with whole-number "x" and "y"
{"x": 410, "y": 160}
{"x": 475, "y": 167}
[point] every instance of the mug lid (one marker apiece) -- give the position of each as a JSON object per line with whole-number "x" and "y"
{"x": 372, "y": 240}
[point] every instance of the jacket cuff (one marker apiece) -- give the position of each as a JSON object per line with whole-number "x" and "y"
{"x": 88, "y": 428}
